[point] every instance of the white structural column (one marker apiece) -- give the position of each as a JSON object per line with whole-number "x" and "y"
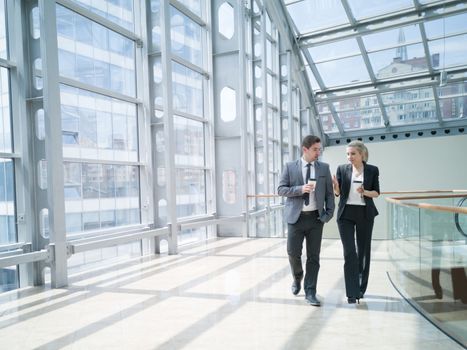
{"x": 23, "y": 133}
{"x": 243, "y": 113}
{"x": 289, "y": 103}
{"x": 264, "y": 117}
{"x": 229, "y": 115}
{"x": 169, "y": 135}
{"x": 53, "y": 143}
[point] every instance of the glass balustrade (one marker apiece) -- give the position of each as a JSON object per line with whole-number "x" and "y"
{"x": 429, "y": 260}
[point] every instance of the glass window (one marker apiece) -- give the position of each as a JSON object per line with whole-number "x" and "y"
{"x": 186, "y": 37}
{"x": 193, "y": 5}
{"x": 191, "y": 193}
{"x": 403, "y": 60}
{"x": 98, "y": 196}
{"x": 337, "y": 72}
{"x": 226, "y": 20}
{"x": 95, "y": 55}
{"x": 98, "y": 127}
{"x": 393, "y": 37}
{"x": 228, "y": 104}
{"x": 410, "y": 106}
{"x": 3, "y": 32}
{"x": 449, "y": 52}
{"x": 187, "y": 90}
{"x": 446, "y": 26}
{"x": 5, "y": 117}
{"x": 453, "y": 100}
{"x": 362, "y": 9}
{"x": 7, "y": 204}
{"x": 155, "y": 25}
{"x": 334, "y": 50}
{"x": 311, "y": 15}
{"x": 361, "y": 119}
{"x": 120, "y": 11}
{"x": 189, "y": 142}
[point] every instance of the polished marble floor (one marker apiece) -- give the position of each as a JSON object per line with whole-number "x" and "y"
{"x": 232, "y": 293}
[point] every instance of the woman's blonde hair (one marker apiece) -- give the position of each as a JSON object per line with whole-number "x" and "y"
{"x": 361, "y": 148}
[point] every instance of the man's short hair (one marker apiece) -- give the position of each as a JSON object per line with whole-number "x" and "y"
{"x": 310, "y": 140}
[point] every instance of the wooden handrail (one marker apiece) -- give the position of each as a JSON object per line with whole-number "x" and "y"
{"x": 390, "y": 192}
{"x": 262, "y": 195}
{"x": 401, "y": 200}
{"x": 443, "y": 208}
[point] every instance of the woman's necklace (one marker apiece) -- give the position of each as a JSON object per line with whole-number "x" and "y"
{"x": 358, "y": 171}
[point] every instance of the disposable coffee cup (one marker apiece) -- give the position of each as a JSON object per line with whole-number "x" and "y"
{"x": 312, "y": 182}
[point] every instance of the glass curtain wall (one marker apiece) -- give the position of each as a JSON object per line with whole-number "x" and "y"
{"x": 8, "y": 234}
{"x": 99, "y": 113}
{"x": 188, "y": 112}
{"x": 274, "y": 116}
{"x": 118, "y": 61}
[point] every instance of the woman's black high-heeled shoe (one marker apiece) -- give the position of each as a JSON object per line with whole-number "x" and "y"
{"x": 352, "y": 300}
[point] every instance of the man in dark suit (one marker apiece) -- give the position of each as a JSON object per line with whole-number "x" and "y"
{"x": 307, "y": 185}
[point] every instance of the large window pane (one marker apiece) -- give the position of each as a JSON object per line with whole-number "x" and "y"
{"x": 403, "y": 60}
{"x": 7, "y": 205}
{"x": 5, "y": 118}
{"x": 334, "y": 50}
{"x": 189, "y": 142}
{"x": 155, "y": 25}
{"x": 95, "y": 55}
{"x": 98, "y": 127}
{"x": 335, "y": 73}
{"x": 187, "y": 90}
{"x": 449, "y": 52}
{"x": 191, "y": 197}
{"x": 453, "y": 100}
{"x": 3, "y": 38}
{"x": 446, "y": 26}
{"x": 393, "y": 37}
{"x": 186, "y": 37}
{"x": 116, "y": 11}
{"x": 193, "y": 5}
{"x": 311, "y": 15}
{"x": 362, "y": 9}
{"x": 110, "y": 196}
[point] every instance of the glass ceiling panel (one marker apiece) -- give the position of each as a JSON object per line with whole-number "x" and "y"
{"x": 394, "y": 37}
{"x": 363, "y": 9}
{"x": 344, "y": 71}
{"x": 448, "y": 25}
{"x": 397, "y": 52}
{"x": 327, "y": 122}
{"x": 403, "y": 60}
{"x": 449, "y": 52}
{"x": 361, "y": 119}
{"x": 410, "y": 106}
{"x": 334, "y": 50}
{"x": 407, "y": 95}
{"x": 311, "y": 15}
{"x": 453, "y": 100}
{"x": 417, "y": 112}
{"x": 359, "y": 112}
{"x": 348, "y": 104}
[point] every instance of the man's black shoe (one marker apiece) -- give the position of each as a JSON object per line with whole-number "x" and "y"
{"x": 312, "y": 300}
{"x": 296, "y": 286}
